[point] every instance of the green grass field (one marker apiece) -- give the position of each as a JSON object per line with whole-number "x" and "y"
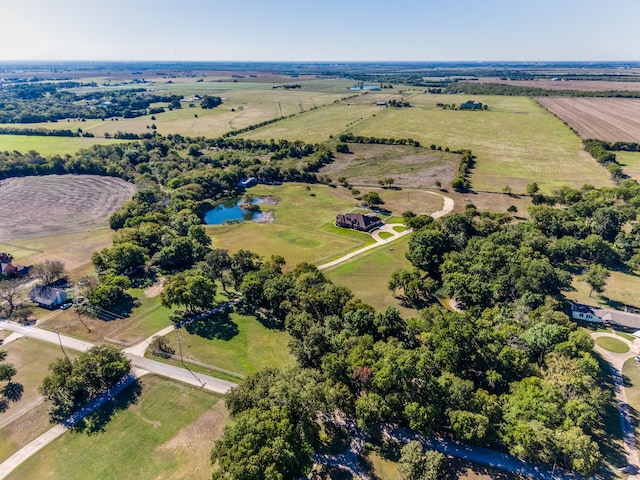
{"x": 631, "y": 373}
{"x": 31, "y": 358}
{"x": 318, "y": 125}
{"x": 244, "y": 347}
{"x": 516, "y": 141}
{"x": 303, "y": 228}
{"x": 612, "y": 345}
{"x": 143, "y": 441}
{"x": 630, "y": 162}
{"x": 367, "y": 275}
{"x": 49, "y": 146}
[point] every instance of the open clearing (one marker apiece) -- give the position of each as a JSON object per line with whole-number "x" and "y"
{"x": 581, "y": 85}
{"x": 48, "y": 145}
{"x": 630, "y": 162}
{"x": 408, "y": 166}
{"x": 610, "y": 119}
{"x": 621, "y": 289}
{"x": 516, "y": 141}
{"x": 55, "y": 204}
{"x": 367, "y": 275}
{"x": 243, "y": 346}
{"x": 145, "y": 441}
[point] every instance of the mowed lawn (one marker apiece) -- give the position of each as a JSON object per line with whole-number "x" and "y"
{"x": 27, "y": 418}
{"x": 367, "y": 275}
{"x": 516, "y": 141}
{"x": 50, "y": 146}
{"x": 245, "y": 346}
{"x": 303, "y": 229}
{"x": 144, "y": 441}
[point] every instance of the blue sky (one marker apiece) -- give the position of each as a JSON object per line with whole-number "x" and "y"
{"x": 346, "y": 30}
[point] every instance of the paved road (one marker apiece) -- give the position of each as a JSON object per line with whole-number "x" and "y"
{"x": 447, "y": 208}
{"x": 152, "y": 366}
{"x": 616, "y": 361}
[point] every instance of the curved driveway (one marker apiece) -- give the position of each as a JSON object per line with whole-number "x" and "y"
{"x": 616, "y": 362}
{"x": 389, "y": 228}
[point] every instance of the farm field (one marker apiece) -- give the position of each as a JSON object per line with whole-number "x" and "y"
{"x": 245, "y": 103}
{"x": 27, "y": 418}
{"x": 168, "y": 432}
{"x": 610, "y": 119}
{"x": 33, "y": 207}
{"x": 630, "y": 162}
{"x": 74, "y": 249}
{"x": 515, "y": 141}
{"x": 48, "y": 145}
{"x": 581, "y": 85}
{"x": 318, "y": 125}
{"x": 243, "y": 345}
{"x": 409, "y": 166}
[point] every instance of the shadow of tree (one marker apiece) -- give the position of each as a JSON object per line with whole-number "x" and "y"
{"x": 96, "y": 421}
{"x": 216, "y": 326}
{"x": 270, "y": 322}
{"x": 13, "y": 391}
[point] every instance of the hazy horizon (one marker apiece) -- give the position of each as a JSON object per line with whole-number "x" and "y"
{"x": 329, "y": 31}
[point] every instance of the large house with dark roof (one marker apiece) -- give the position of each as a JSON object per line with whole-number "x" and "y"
{"x": 358, "y": 221}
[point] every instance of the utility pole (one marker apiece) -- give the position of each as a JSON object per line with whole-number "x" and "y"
{"x": 202, "y": 384}
{"x": 60, "y": 340}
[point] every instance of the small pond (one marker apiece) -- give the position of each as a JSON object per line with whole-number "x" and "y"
{"x": 229, "y": 211}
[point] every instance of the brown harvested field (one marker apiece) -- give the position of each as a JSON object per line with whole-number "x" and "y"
{"x": 610, "y": 119}
{"x": 33, "y": 207}
{"x": 580, "y": 85}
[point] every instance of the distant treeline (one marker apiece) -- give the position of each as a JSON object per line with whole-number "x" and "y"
{"x": 601, "y": 151}
{"x": 43, "y": 132}
{"x": 470, "y": 88}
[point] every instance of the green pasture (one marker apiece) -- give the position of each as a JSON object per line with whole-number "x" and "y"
{"x": 303, "y": 228}
{"x": 48, "y": 146}
{"x": 318, "y": 125}
{"x": 243, "y": 346}
{"x": 630, "y": 162}
{"x": 612, "y": 344}
{"x": 135, "y": 443}
{"x": 515, "y": 141}
{"x": 367, "y": 275}
{"x": 31, "y": 358}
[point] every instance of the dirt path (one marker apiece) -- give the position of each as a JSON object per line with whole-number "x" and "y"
{"x": 616, "y": 362}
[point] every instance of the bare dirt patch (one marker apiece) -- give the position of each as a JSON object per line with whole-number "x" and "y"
{"x": 610, "y": 119}
{"x": 155, "y": 289}
{"x": 33, "y": 207}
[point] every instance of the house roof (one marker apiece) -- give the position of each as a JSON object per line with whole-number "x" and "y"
{"x": 625, "y": 319}
{"x": 45, "y": 295}
{"x": 357, "y": 219}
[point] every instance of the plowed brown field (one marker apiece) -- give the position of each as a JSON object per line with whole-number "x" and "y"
{"x": 32, "y": 207}
{"x": 610, "y": 119}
